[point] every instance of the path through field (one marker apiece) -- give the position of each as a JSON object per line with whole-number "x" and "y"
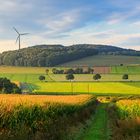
{"x": 99, "y": 128}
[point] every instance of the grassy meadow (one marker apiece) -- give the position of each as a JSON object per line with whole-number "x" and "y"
{"x": 126, "y": 69}
{"x": 33, "y": 78}
{"x": 104, "y": 60}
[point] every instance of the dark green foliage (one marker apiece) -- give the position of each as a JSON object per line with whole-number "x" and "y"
{"x": 51, "y": 55}
{"x": 90, "y": 70}
{"x": 125, "y": 76}
{"x": 97, "y": 77}
{"x": 77, "y": 70}
{"x": 6, "y": 86}
{"x": 69, "y": 71}
{"x": 41, "y": 78}
{"x": 56, "y": 71}
{"x": 69, "y": 76}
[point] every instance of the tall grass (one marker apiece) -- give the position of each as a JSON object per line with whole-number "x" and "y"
{"x": 51, "y": 120}
{"x": 128, "y": 108}
{"x": 125, "y": 119}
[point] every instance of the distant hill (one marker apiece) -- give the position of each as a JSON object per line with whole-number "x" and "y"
{"x": 52, "y": 55}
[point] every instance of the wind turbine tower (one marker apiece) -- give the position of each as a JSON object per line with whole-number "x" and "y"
{"x": 19, "y": 36}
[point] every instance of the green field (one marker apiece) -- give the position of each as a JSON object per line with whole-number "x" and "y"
{"x": 88, "y": 87}
{"x": 83, "y": 83}
{"x": 33, "y": 78}
{"x": 125, "y": 69}
{"x": 104, "y": 60}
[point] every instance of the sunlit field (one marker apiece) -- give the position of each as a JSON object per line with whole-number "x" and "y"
{"x": 12, "y": 99}
{"x": 34, "y": 116}
{"x": 129, "y": 108}
{"x": 89, "y": 87}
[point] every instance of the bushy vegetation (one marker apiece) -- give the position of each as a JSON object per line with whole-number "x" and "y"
{"x": 6, "y": 86}
{"x": 97, "y": 76}
{"x": 125, "y": 76}
{"x": 125, "y": 118}
{"x": 51, "y": 55}
{"x": 70, "y": 77}
{"x": 41, "y": 78}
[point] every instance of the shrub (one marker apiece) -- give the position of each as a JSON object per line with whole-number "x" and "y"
{"x": 125, "y": 76}
{"x": 41, "y": 78}
{"x": 69, "y": 76}
{"x": 97, "y": 77}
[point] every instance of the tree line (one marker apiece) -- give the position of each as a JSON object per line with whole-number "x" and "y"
{"x": 70, "y": 76}
{"x": 78, "y": 70}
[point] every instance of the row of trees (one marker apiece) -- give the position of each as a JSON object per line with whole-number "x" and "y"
{"x": 6, "y": 86}
{"x": 70, "y": 76}
{"x": 95, "y": 77}
{"x": 78, "y": 70}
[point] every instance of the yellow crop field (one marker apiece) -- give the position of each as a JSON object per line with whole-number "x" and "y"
{"x": 128, "y": 108}
{"x": 89, "y": 87}
{"x": 13, "y": 99}
{"x": 128, "y": 102}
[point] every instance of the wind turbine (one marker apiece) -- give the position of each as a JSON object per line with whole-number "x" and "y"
{"x": 19, "y": 35}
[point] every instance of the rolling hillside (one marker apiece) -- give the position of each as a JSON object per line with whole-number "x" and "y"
{"x": 52, "y": 55}
{"x": 104, "y": 60}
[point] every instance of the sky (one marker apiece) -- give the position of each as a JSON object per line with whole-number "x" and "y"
{"x": 68, "y": 22}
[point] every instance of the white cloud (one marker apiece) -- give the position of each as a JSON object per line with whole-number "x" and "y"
{"x": 13, "y": 8}
{"x": 63, "y": 22}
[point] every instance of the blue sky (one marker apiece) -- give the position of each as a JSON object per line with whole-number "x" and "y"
{"x": 112, "y": 22}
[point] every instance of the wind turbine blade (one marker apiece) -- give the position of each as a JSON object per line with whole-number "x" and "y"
{"x": 15, "y": 30}
{"x": 17, "y": 39}
{"x": 24, "y": 34}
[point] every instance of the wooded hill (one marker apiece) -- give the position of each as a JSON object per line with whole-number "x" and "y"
{"x": 51, "y": 55}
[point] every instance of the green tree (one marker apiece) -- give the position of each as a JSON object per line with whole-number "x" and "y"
{"x": 78, "y": 71}
{"x": 41, "y": 78}
{"x": 6, "y": 86}
{"x": 69, "y": 76}
{"x": 125, "y": 77}
{"x": 97, "y": 77}
{"x": 69, "y": 71}
{"x": 90, "y": 70}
